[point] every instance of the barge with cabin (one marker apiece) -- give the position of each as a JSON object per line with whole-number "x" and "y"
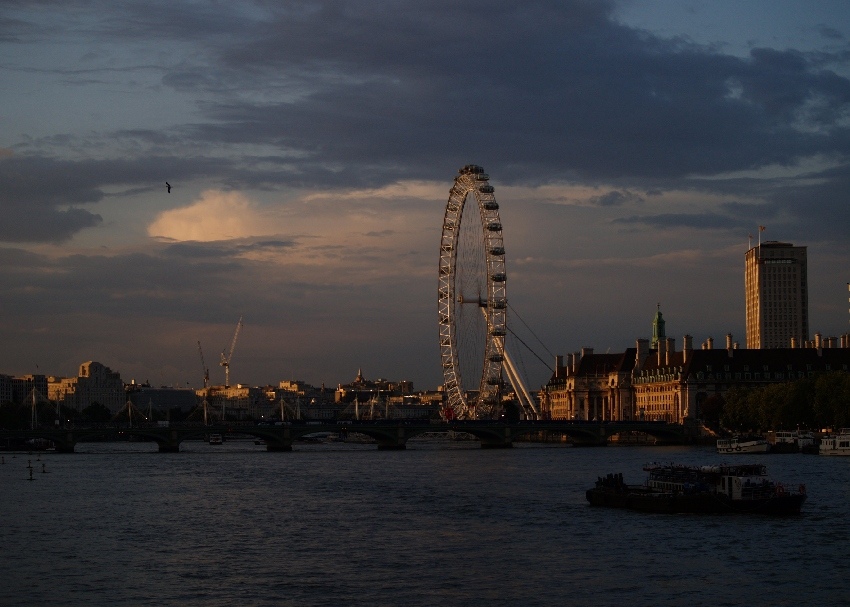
{"x": 673, "y": 488}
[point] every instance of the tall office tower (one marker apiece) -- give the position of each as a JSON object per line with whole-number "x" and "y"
{"x": 777, "y": 295}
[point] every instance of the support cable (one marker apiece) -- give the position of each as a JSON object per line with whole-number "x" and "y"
{"x": 530, "y": 331}
{"x": 519, "y": 339}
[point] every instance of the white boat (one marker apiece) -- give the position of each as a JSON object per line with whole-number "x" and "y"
{"x": 806, "y": 443}
{"x": 793, "y": 442}
{"x": 742, "y": 445}
{"x": 835, "y": 444}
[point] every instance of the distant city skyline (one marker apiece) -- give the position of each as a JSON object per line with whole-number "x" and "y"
{"x": 309, "y": 153}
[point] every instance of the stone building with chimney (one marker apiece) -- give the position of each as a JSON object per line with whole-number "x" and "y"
{"x": 656, "y": 382}
{"x": 672, "y": 385}
{"x": 591, "y": 386}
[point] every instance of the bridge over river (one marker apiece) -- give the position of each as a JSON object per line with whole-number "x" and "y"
{"x": 388, "y": 434}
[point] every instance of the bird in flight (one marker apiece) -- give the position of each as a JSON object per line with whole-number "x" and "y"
{"x": 168, "y": 185}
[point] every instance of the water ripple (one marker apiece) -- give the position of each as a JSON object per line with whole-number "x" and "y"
{"x": 434, "y": 525}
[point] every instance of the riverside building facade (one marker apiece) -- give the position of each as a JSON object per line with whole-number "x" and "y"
{"x": 590, "y": 387}
{"x": 777, "y": 301}
{"x": 665, "y": 384}
{"x": 656, "y": 382}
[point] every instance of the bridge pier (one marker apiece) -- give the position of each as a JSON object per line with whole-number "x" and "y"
{"x": 278, "y": 447}
{"x": 171, "y": 444}
{"x": 395, "y": 439}
{"x": 391, "y": 446}
{"x": 65, "y": 443}
{"x": 498, "y": 440}
{"x": 279, "y": 442}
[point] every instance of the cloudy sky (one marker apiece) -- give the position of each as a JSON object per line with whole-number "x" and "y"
{"x": 311, "y": 145}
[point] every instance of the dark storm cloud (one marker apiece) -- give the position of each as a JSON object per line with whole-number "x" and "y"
{"x": 180, "y": 287}
{"x": 818, "y": 210}
{"x": 615, "y": 199}
{"x": 781, "y": 84}
{"x": 47, "y": 182}
{"x": 31, "y": 189}
{"x": 355, "y": 94}
{"x": 198, "y": 250}
{"x": 121, "y": 285}
{"x": 35, "y": 190}
{"x": 224, "y": 249}
{"x": 830, "y": 32}
{"x": 34, "y": 224}
{"x": 700, "y": 221}
{"x": 748, "y": 211}
{"x": 543, "y": 89}
{"x": 18, "y": 261}
{"x": 16, "y": 30}
{"x": 191, "y": 81}
{"x": 812, "y": 205}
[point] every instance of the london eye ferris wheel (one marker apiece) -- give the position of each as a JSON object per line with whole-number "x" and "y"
{"x": 472, "y": 302}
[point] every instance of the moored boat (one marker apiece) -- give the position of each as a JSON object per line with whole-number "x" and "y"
{"x": 792, "y": 442}
{"x": 835, "y": 444}
{"x": 742, "y": 445}
{"x": 673, "y": 488}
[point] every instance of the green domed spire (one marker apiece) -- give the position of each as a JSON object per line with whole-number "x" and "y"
{"x": 657, "y": 328}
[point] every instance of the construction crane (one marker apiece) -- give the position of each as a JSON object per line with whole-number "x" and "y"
{"x": 204, "y": 367}
{"x": 225, "y": 360}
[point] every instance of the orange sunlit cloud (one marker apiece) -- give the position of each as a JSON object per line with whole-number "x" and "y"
{"x": 215, "y": 216}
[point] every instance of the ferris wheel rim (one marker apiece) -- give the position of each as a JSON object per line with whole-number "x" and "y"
{"x": 472, "y": 180}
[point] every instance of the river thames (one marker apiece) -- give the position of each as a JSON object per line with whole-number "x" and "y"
{"x": 441, "y": 523}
